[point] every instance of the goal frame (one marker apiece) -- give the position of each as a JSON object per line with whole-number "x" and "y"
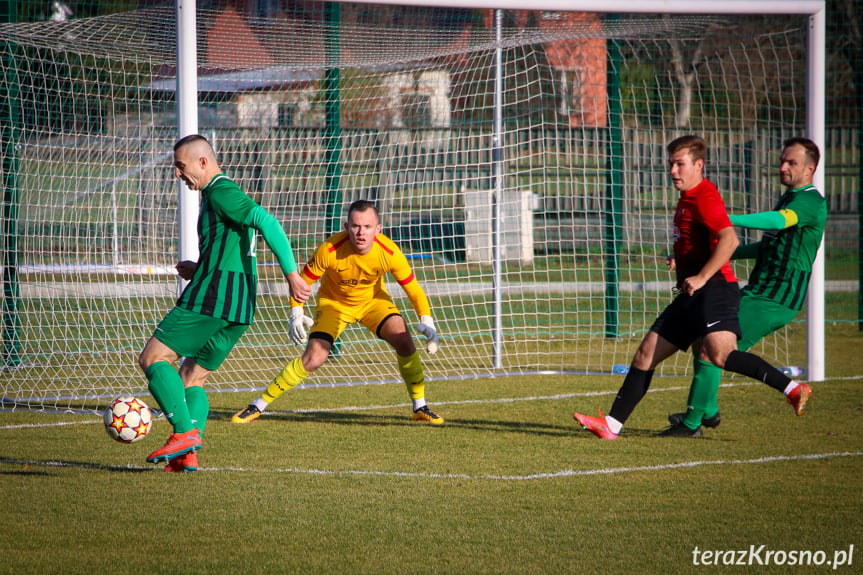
{"x": 516, "y": 154}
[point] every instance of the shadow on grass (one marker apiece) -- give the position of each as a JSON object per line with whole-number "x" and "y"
{"x": 633, "y": 433}
{"x": 375, "y": 420}
{"x": 62, "y": 464}
{"x": 493, "y": 425}
{"x": 27, "y": 472}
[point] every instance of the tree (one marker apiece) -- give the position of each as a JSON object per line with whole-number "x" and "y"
{"x": 685, "y": 71}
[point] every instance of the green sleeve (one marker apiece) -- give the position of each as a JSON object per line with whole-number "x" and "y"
{"x": 771, "y": 220}
{"x": 746, "y": 252}
{"x": 271, "y": 229}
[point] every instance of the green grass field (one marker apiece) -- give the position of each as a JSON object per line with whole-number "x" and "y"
{"x": 341, "y": 480}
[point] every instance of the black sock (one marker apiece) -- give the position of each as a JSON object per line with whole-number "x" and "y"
{"x": 751, "y": 365}
{"x": 633, "y": 389}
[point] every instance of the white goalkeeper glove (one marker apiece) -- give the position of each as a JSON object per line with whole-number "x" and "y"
{"x": 426, "y": 327}
{"x": 299, "y": 323}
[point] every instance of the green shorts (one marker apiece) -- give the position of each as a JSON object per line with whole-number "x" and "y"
{"x": 759, "y": 317}
{"x": 207, "y": 339}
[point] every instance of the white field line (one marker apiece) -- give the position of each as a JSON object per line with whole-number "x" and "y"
{"x": 489, "y": 401}
{"x": 562, "y": 473}
{"x": 58, "y": 424}
{"x": 414, "y": 475}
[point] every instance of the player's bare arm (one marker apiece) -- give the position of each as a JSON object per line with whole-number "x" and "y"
{"x": 728, "y": 242}
{"x": 300, "y": 290}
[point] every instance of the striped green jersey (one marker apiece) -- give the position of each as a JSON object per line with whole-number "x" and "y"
{"x": 225, "y": 282}
{"x": 785, "y": 257}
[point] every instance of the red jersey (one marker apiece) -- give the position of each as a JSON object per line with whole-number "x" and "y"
{"x": 699, "y": 217}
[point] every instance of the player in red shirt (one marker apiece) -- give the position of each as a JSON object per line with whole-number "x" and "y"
{"x": 704, "y": 313}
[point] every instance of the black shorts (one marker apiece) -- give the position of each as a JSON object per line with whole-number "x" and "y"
{"x": 712, "y": 308}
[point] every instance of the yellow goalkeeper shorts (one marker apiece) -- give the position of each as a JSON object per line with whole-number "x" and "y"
{"x": 332, "y": 317}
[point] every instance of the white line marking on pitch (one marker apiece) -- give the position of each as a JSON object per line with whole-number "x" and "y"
{"x": 57, "y": 424}
{"x": 534, "y": 476}
{"x": 562, "y": 473}
{"x": 501, "y": 400}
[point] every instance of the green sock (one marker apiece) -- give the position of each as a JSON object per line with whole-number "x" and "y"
{"x": 702, "y": 393}
{"x": 199, "y": 406}
{"x": 712, "y": 406}
{"x": 167, "y": 387}
{"x": 696, "y": 367}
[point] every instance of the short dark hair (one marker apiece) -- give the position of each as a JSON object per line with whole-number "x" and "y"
{"x": 188, "y": 140}
{"x": 812, "y": 152}
{"x": 362, "y": 206}
{"x": 695, "y": 144}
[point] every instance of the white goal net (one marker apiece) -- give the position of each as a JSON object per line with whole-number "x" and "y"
{"x": 311, "y": 108}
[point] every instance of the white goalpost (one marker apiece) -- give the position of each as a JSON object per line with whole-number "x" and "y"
{"x": 516, "y": 157}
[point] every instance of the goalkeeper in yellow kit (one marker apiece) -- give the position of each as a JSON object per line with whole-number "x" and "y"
{"x": 351, "y": 266}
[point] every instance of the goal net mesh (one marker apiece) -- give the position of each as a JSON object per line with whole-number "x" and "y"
{"x": 312, "y": 108}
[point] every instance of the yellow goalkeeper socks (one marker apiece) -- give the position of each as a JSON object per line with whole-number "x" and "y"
{"x": 291, "y": 376}
{"x": 411, "y": 369}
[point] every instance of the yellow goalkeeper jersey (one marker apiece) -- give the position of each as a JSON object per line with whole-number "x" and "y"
{"x": 352, "y": 279}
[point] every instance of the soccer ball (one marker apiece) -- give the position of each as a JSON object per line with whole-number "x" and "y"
{"x": 128, "y": 420}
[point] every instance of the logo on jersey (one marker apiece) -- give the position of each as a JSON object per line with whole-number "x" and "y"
{"x": 253, "y": 246}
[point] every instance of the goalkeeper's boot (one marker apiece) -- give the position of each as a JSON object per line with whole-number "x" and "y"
{"x": 595, "y": 425}
{"x": 186, "y": 463}
{"x": 798, "y": 397}
{"x": 675, "y": 418}
{"x": 680, "y": 430}
{"x": 178, "y": 444}
{"x": 248, "y": 414}
{"x": 427, "y": 415}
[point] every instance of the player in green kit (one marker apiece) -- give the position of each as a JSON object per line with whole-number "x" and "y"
{"x": 218, "y": 304}
{"x": 776, "y": 290}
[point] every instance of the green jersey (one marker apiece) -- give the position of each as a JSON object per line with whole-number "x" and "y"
{"x": 785, "y": 257}
{"x": 225, "y": 282}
